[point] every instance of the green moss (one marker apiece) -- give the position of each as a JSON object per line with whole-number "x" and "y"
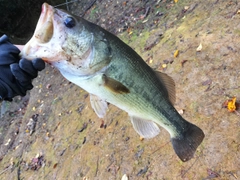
{"x": 135, "y": 40}
{"x": 93, "y": 12}
{"x": 237, "y": 31}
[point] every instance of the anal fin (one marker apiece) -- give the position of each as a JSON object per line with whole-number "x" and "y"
{"x": 99, "y": 106}
{"x": 145, "y": 128}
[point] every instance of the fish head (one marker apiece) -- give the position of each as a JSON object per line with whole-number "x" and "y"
{"x": 61, "y": 39}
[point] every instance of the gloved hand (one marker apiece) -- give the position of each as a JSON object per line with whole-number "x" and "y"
{"x": 16, "y": 74}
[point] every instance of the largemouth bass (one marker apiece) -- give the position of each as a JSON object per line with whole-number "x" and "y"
{"x": 113, "y": 72}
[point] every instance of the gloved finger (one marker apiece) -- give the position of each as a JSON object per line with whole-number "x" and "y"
{"x": 8, "y": 99}
{"x": 19, "y": 74}
{"x": 38, "y": 64}
{"x": 27, "y": 66}
{"x": 28, "y": 85}
{"x": 7, "y": 57}
{"x": 3, "y": 90}
{"x": 8, "y": 52}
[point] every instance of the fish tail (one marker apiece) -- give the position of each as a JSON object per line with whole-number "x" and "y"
{"x": 187, "y": 142}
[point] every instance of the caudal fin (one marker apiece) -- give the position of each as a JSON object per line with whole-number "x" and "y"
{"x": 186, "y": 144}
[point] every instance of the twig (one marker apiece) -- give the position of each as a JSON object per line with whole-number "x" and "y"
{"x": 159, "y": 148}
{"x": 146, "y": 13}
{"x": 186, "y": 171}
{"x": 9, "y": 167}
{"x": 65, "y": 3}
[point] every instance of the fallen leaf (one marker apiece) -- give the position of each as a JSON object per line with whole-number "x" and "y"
{"x": 176, "y": 53}
{"x": 199, "y": 48}
{"x": 55, "y": 165}
{"x": 181, "y": 111}
{"x": 7, "y": 143}
{"x": 186, "y": 8}
{"x": 124, "y": 177}
{"x": 129, "y": 30}
{"x": 164, "y": 65}
{"x": 231, "y": 105}
{"x": 48, "y": 86}
{"x": 183, "y": 62}
{"x": 83, "y": 127}
{"x": 212, "y": 174}
{"x": 142, "y": 171}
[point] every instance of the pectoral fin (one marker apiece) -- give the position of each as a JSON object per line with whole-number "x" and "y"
{"x": 169, "y": 84}
{"x": 145, "y": 128}
{"x": 114, "y": 85}
{"x": 99, "y": 106}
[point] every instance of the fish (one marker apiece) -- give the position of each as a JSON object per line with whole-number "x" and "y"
{"x": 112, "y": 72}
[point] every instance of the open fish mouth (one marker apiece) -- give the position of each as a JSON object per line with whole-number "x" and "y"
{"x": 42, "y": 35}
{"x": 44, "y": 29}
{"x": 43, "y": 42}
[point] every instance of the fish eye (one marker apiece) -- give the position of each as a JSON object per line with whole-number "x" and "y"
{"x": 69, "y": 22}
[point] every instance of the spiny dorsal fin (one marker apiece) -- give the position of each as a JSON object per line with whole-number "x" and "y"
{"x": 145, "y": 128}
{"x": 99, "y": 105}
{"x": 114, "y": 85}
{"x": 169, "y": 84}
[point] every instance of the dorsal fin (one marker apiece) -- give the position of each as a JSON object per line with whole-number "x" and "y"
{"x": 169, "y": 84}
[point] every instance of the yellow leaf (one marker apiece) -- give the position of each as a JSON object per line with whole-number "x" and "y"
{"x": 164, "y": 65}
{"x": 175, "y": 1}
{"x": 176, "y": 53}
{"x": 231, "y": 106}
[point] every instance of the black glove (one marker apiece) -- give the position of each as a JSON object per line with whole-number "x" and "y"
{"x": 16, "y": 74}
